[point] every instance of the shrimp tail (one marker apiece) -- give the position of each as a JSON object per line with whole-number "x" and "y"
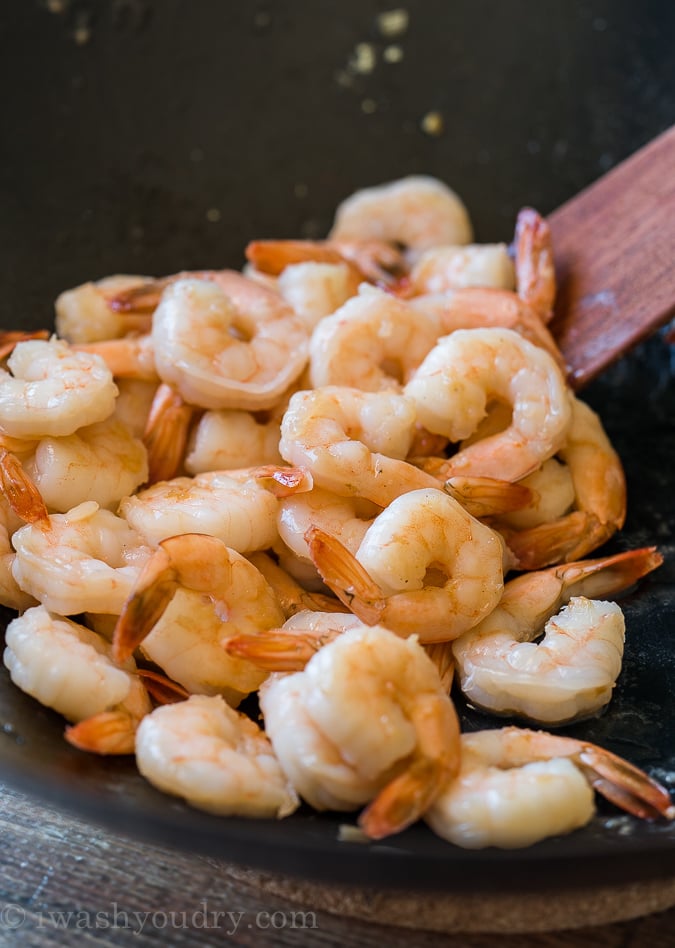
{"x": 107, "y": 733}
{"x": 139, "y": 299}
{"x": 625, "y": 785}
{"x": 165, "y": 434}
{"x": 283, "y": 481}
{"x": 21, "y": 492}
{"x": 563, "y": 540}
{"x": 610, "y": 574}
{"x": 146, "y": 605}
{"x": 273, "y": 256}
{"x": 403, "y": 801}
{"x": 161, "y": 689}
{"x": 277, "y": 650}
{"x": 9, "y": 338}
{"x": 535, "y": 272}
{"x": 488, "y": 496}
{"x": 342, "y": 572}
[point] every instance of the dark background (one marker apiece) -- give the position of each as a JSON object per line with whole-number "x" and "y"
{"x": 154, "y": 135}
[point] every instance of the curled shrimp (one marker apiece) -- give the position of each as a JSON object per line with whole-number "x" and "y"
{"x": 227, "y": 342}
{"x": 468, "y": 369}
{"x": 69, "y": 668}
{"x": 516, "y": 787}
{"x": 87, "y": 312}
{"x": 352, "y": 442}
{"x": 425, "y": 566}
{"x": 238, "y": 507}
{"x": 366, "y": 721}
{"x": 374, "y": 343}
{"x": 417, "y": 211}
{"x": 569, "y": 673}
{"x": 228, "y": 439}
{"x": 315, "y": 290}
{"x": 193, "y": 593}
{"x": 535, "y": 272}
{"x": 85, "y": 560}
{"x": 213, "y": 757}
{"x": 50, "y": 390}
{"x": 596, "y": 510}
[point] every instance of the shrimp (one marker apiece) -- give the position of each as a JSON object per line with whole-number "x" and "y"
{"x": 366, "y": 721}
{"x": 315, "y": 290}
{"x": 132, "y": 357}
{"x": 417, "y": 211}
{"x": 425, "y": 566}
{"x": 85, "y": 560}
{"x": 213, "y": 757}
{"x": 69, "y": 668}
{"x": 230, "y": 439}
{"x": 166, "y": 433}
{"x": 598, "y": 501}
{"x": 374, "y": 343}
{"x": 535, "y": 272}
{"x": 517, "y": 786}
{"x": 471, "y": 367}
{"x": 227, "y": 342}
{"x": 572, "y": 671}
{"x": 133, "y": 404}
{"x": 450, "y": 268}
{"x": 352, "y": 442}
{"x": 102, "y": 462}
{"x": 481, "y": 308}
{"x": 87, "y": 312}
{"x": 192, "y": 594}
{"x": 52, "y": 391}
{"x": 238, "y": 507}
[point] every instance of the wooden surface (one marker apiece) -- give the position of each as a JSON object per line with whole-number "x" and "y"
{"x": 613, "y": 247}
{"x": 62, "y": 879}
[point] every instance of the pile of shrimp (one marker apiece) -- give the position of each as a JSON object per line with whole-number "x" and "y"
{"x": 335, "y": 481}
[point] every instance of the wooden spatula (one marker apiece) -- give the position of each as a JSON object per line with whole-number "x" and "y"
{"x": 614, "y": 250}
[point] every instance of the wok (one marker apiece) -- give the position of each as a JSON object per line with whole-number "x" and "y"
{"x": 150, "y": 137}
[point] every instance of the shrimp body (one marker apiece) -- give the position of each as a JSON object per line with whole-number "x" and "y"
{"x": 51, "y": 390}
{"x": 69, "y": 668}
{"x": 87, "y": 312}
{"x": 102, "y": 462}
{"x": 315, "y": 290}
{"x": 454, "y": 267}
{"x": 516, "y": 787}
{"x": 85, "y": 560}
{"x": 417, "y": 211}
{"x": 238, "y": 511}
{"x": 227, "y": 342}
{"x": 572, "y": 671}
{"x": 227, "y": 439}
{"x": 353, "y": 442}
{"x": 367, "y": 720}
{"x": 347, "y": 518}
{"x": 215, "y": 758}
{"x": 468, "y": 369}
{"x": 425, "y": 566}
{"x": 374, "y": 342}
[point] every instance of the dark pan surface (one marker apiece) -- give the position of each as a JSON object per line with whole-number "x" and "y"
{"x": 173, "y": 132}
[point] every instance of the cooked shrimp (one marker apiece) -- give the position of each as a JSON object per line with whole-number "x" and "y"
{"x": 572, "y": 671}
{"x": 133, "y": 404}
{"x": 229, "y": 438}
{"x": 374, "y": 343}
{"x": 535, "y": 272}
{"x": 227, "y": 342}
{"x": 238, "y": 507}
{"x": 85, "y": 560}
{"x": 598, "y": 504}
{"x": 516, "y": 787}
{"x": 69, "y": 668}
{"x": 417, "y": 211}
{"x": 367, "y": 720}
{"x": 471, "y": 367}
{"x": 451, "y": 268}
{"x": 102, "y": 462}
{"x": 353, "y": 442}
{"x": 290, "y": 595}
{"x": 425, "y": 566}
{"x": 87, "y": 313}
{"x": 53, "y": 391}
{"x": 213, "y": 757}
